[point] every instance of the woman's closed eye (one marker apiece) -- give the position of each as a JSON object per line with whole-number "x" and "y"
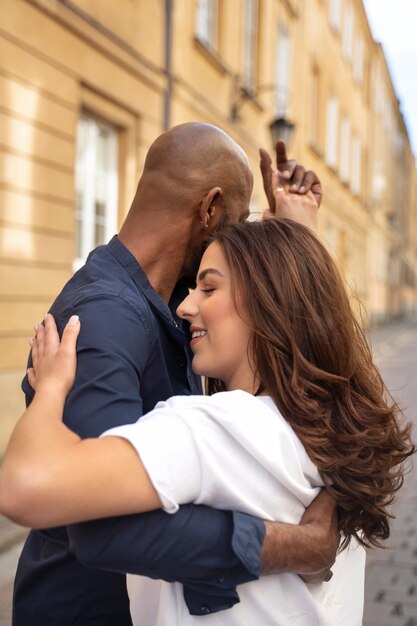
{"x": 208, "y": 289}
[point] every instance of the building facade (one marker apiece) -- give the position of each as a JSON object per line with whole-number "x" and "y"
{"x": 87, "y": 85}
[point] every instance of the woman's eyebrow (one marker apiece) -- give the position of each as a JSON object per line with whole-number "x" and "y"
{"x": 209, "y": 270}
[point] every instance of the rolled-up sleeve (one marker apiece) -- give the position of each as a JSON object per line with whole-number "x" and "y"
{"x": 166, "y": 446}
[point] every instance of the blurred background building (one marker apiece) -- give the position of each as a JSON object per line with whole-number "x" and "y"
{"x": 87, "y": 85}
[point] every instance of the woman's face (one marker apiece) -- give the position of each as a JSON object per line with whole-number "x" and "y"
{"x": 220, "y": 337}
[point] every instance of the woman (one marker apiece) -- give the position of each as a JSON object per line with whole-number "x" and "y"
{"x": 301, "y": 406}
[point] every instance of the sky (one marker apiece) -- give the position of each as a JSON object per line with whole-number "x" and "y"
{"x": 393, "y": 23}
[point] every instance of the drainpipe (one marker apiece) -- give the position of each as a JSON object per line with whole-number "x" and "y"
{"x": 168, "y": 63}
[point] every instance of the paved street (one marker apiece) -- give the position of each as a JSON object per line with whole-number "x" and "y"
{"x": 391, "y": 580}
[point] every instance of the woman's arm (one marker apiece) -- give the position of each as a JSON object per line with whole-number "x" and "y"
{"x": 49, "y": 475}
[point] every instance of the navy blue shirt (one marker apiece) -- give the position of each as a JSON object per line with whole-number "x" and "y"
{"x": 132, "y": 353}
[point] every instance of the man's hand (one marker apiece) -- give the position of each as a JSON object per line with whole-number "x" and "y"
{"x": 308, "y": 549}
{"x": 300, "y": 191}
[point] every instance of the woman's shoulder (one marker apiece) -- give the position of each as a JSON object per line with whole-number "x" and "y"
{"x": 233, "y": 410}
{"x": 225, "y": 400}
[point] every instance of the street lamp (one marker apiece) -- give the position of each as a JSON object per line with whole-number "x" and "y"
{"x": 281, "y": 128}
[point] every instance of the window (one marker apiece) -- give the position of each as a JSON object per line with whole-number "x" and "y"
{"x": 379, "y": 95}
{"x": 356, "y": 166}
{"x": 206, "y": 24}
{"x": 250, "y": 44}
{"x": 378, "y": 180}
{"x": 332, "y": 123}
{"x": 314, "y": 108}
{"x": 335, "y": 14}
{"x": 283, "y": 66}
{"x": 345, "y": 150}
{"x": 358, "y": 59}
{"x": 96, "y": 185}
{"x": 348, "y": 23}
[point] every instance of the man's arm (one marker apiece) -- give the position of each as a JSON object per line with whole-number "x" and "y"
{"x": 212, "y": 550}
{"x": 310, "y": 548}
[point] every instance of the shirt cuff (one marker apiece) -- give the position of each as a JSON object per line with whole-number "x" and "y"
{"x": 205, "y": 602}
{"x": 247, "y": 540}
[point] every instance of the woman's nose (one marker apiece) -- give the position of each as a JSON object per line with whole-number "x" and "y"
{"x": 188, "y": 307}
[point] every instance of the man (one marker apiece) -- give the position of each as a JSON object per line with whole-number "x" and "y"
{"x": 131, "y": 354}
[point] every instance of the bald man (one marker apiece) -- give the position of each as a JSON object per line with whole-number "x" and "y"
{"x": 132, "y": 353}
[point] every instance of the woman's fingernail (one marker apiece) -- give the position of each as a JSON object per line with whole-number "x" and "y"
{"x": 73, "y": 320}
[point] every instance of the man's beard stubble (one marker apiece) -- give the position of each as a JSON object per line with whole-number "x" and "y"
{"x": 190, "y": 271}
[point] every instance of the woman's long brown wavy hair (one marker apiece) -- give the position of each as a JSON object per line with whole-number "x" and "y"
{"x": 311, "y": 356}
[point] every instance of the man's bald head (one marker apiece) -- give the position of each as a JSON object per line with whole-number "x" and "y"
{"x": 188, "y": 160}
{"x": 195, "y": 180}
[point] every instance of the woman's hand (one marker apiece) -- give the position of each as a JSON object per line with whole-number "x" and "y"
{"x": 295, "y": 176}
{"x": 54, "y": 361}
{"x": 302, "y": 208}
{"x": 292, "y": 191}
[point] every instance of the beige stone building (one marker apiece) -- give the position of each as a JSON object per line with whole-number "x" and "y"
{"x": 87, "y": 85}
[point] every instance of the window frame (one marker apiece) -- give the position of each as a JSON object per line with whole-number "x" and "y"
{"x": 206, "y": 23}
{"x": 250, "y": 45}
{"x": 86, "y": 183}
{"x": 283, "y": 69}
{"x": 332, "y": 126}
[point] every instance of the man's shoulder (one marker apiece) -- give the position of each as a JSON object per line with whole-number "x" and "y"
{"x": 102, "y": 281}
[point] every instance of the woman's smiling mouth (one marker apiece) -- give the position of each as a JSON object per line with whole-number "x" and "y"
{"x": 196, "y": 335}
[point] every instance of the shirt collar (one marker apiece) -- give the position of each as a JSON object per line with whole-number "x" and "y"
{"x": 128, "y": 261}
{"x": 131, "y": 265}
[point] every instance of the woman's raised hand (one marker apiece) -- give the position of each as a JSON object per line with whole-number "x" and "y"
{"x": 292, "y": 191}
{"x": 54, "y": 361}
{"x": 302, "y": 208}
{"x": 295, "y": 176}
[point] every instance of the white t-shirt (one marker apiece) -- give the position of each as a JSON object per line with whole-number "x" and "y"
{"x": 235, "y": 451}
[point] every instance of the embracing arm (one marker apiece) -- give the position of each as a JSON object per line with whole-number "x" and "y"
{"x": 50, "y": 476}
{"x": 309, "y": 548}
{"x": 71, "y": 472}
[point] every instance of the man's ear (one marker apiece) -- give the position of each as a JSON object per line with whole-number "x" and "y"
{"x": 208, "y": 205}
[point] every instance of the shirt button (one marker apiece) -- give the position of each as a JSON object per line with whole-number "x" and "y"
{"x": 181, "y": 363}
{"x": 220, "y": 579}
{"x": 205, "y": 610}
